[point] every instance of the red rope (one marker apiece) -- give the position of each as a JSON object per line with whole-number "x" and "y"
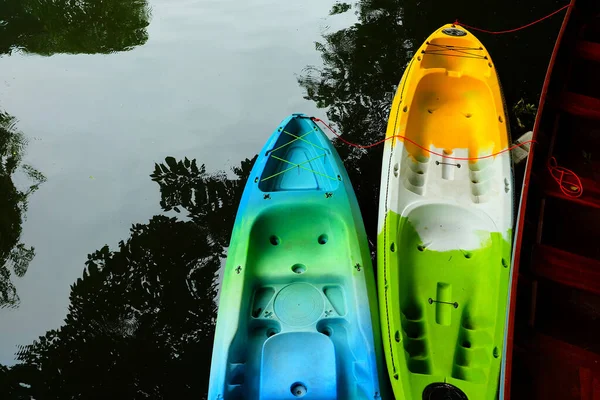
{"x": 418, "y": 145}
{"x": 569, "y": 187}
{"x": 515, "y": 29}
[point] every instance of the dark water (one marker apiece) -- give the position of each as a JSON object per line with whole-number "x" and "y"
{"x": 127, "y": 130}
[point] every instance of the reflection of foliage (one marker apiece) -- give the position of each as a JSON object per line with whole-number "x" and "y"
{"x": 211, "y": 200}
{"x": 362, "y": 66}
{"x": 141, "y": 319}
{"x": 64, "y": 26}
{"x": 360, "y": 72}
{"x": 339, "y": 8}
{"x": 15, "y": 382}
{"x": 587, "y": 157}
{"x": 524, "y": 114}
{"x": 14, "y": 255}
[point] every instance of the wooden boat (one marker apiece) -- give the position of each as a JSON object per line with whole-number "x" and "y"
{"x": 297, "y": 312}
{"x": 553, "y": 343}
{"x": 445, "y": 223}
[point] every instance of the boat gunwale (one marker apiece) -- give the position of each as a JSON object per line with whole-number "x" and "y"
{"x": 506, "y": 370}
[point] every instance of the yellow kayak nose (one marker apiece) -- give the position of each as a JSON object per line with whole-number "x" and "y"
{"x": 450, "y": 97}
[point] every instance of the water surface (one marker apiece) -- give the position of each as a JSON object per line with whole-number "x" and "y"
{"x": 98, "y": 96}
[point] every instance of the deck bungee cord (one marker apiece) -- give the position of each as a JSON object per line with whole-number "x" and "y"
{"x": 297, "y": 165}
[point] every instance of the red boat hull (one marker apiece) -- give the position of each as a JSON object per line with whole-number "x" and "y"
{"x": 553, "y": 338}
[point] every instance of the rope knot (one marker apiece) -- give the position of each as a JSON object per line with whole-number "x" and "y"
{"x": 569, "y": 182}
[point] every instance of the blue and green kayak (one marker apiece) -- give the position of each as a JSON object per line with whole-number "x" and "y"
{"x": 298, "y": 305}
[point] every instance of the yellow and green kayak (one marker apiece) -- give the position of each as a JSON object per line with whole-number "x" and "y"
{"x": 445, "y": 220}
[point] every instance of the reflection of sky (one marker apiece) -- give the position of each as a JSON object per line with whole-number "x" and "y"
{"x": 213, "y": 81}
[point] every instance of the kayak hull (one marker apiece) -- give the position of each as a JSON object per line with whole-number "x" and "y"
{"x": 298, "y": 305}
{"x": 553, "y": 349}
{"x": 445, "y": 223}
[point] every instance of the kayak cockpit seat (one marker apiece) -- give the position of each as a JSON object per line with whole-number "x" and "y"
{"x": 452, "y": 113}
{"x": 443, "y": 227}
{"x": 298, "y": 364}
{"x": 277, "y": 233}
